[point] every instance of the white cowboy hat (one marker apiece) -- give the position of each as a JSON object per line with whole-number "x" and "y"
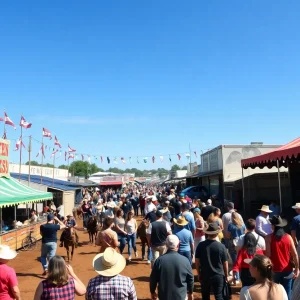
{"x": 164, "y": 210}
{"x": 110, "y": 205}
{"x": 265, "y": 208}
{"x": 297, "y": 206}
{"x": 109, "y": 263}
{"x": 6, "y": 253}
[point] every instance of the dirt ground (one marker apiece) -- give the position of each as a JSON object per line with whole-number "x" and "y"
{"x": 29, "y": 269}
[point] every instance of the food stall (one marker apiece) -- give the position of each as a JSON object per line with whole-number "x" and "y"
{"x": 12, "y": 194}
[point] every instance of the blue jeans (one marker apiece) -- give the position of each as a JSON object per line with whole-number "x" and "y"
{"x": 233, "y": 255}
{"x": 187, "y": 254}
{"x": 286, "y": 283}
{"x": 122, "y": 240}
{"x": 149, "y": 252}
{"x": 48, "y": 250}
{"x": 131, "y": 239}
{"x": 85, "y": 219}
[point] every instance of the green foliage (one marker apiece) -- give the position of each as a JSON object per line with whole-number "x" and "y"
{"x": 175, "y": 168}
{"x": 65, "y": 167}
{"x": 32, "y": 163}
{"x": 184, "y": 168}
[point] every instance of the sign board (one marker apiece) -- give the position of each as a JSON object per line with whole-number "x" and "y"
{"x": 4, "y": 161}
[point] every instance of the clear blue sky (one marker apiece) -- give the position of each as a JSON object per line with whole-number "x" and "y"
{"x": 143, "y": 78}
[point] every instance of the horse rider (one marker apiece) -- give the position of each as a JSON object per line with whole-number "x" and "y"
{"x": 70, "y": 222}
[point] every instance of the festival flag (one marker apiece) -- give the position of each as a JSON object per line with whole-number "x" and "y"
{"x": 8, "y": 121}
{"x": 56, "y": 142}
{"x": 82, "y": 157}
{"x": 108, "y": 160}
{"x": 179, "y": 156}
{"x": 46, "y": 147}
{"x": 130, "y": 160}
{"x": 4, "y": 136}
{"x": 101, "y": 159}
{"x": 1, "y": 120}
{"x": 53, "y": 153}
{"x": 187, "y": 155}
{"x": 19, "y": 143}
{"x": 137, "y": 160}
{"x": 161, "y": 158}
{"x": 123, "y": 160}
{"x": 24, "y": 124}
{"x": 47, "y": 133}
{"x": 70, "y": 150}
{"x": 41, "y": 151}
{"x": 170, "y": 158}
{"x": 71, "y": 156}
{"x": 153, "y": 159}
{"x": 66, "y": 155}
{"x": 145, "y": 159}
{"x": 115, "y": 161}
{"x": 195, "y": 153}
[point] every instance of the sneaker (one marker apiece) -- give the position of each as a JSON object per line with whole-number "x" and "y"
{"x": 148, "y": 262}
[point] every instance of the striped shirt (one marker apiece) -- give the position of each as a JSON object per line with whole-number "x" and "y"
{"x": 111, "y": 288}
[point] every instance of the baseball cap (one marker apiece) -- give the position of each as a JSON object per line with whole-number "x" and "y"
{"x": 50, "y": 217}
{"x": 172, "y": 241}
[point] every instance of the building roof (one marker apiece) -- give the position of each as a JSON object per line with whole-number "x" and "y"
{"x": 56, "y": 183}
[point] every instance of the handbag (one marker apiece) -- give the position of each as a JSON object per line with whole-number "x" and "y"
{"x": 227, "y": 292}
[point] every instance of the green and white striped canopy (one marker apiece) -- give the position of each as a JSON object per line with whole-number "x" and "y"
{"x": 12, "y": 192}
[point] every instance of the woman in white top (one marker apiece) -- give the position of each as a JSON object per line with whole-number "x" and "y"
{"x": 131, "y": 228}
{"x": 263, "y": 288}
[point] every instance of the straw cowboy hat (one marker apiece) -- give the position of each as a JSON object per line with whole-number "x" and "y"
{"x": 297, "y": 206}
{"x": 109, "y": 263}
{"x": 110, "y": 205}
{"x": 6, "y": 253}
{"x": 265, "y": 208}
{"x": 164, "y": 210}
{"x": 181, "y": 221}
{"x": 213, "y": 228}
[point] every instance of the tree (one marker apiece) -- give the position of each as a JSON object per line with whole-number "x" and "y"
{"x": 83, "y": 168}
{"x": 184, "y": 168}
{"x": 33, "y": 163}
{"x": 175, "y": 168}
{"x": 48, "y": 165}
{"x": 65, "y": 167}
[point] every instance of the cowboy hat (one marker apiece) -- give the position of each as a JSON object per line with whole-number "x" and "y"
{"x": 265, "y": 208}
{"x": 213, "y": 228}
{"x": 109, "y": 263}
{"x": 297, "y": 206}
{"x": 7, "y": 253}
{"x": 164, "y": 210}
{"x": 181, "y": 221}
{"x": 110, "y": 205}
{"x": 278, "y": 221}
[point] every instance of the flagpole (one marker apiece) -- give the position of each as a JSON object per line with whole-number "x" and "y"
{"x": 42, "y": 159}
{"x": 68, "y": 167}
{"x": 190, "y": 158}
{"x": 21, "y": 146}
{"x": 53, "y": 168}
{"x": 4, "y": 130}
{"x": 29, "y": 159}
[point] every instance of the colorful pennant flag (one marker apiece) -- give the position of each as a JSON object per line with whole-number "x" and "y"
{"x": 179, "y": 156}
{"x": 161, "y": 158}
{"x": 123, "y": 160}
{"x": 170, "y": 158}
{"x": 71, "y": 155}
{"x": 195, "y": 153}
{"x": 101, "y": 159}
{"x": 130, "y": 160}
{"x": 41, "y": 151}
{"x": 66, "y": 155}
{"x": 82, "y": 157}
{"x": 71, "y": 150}
{"x": 4, "y": 136}
{"x": 24, "y": 124}
{"x": 145, "y": 159}
{"x": 153, "y": 159}
{"x": 19, "y": 143}
{"x": 47, "y": 133}
{"x": 56, "y": 142}
{"x": 53, "y": 153}
{"x": 115, "y": 161}
{"x": 187, "y": 155}
{"x": 108, "y": 160}
{"x": 137, "y": 160}
{"x": 8, "y": 121}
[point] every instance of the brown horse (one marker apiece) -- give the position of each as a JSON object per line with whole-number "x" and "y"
{"x": 70, "y": 241}
{"x": 92, "y": 228}
{"x": 77, "y": 213}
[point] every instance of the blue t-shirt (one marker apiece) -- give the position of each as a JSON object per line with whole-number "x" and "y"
{"x": 186, "y": 238}
{"x": 296, "y": 226}
{"x": 71, "y": 223}
{"x": 235, "y": 231}
{"x": 49, "y": 232}
{"x": 191, "y": 226}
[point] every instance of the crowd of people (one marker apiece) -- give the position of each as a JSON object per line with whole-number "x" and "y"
{"x": 178, "y": 233}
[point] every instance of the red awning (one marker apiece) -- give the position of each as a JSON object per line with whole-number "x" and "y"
{"x": 111, "y": 183}
{"x": 269, "y": 159}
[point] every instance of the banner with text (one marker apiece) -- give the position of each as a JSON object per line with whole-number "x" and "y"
{"x": 4, "y": 161}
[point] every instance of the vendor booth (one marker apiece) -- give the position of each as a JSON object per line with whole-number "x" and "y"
{"x": 15, "y": 201}
{"x": 287, "y": 156}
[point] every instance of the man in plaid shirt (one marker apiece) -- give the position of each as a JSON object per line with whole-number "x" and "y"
{"x": 110, "y": 285}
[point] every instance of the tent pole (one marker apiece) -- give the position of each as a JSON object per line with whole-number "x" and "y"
{"x": 15, "y": 212}
{"x": 1, "y": 219}
{"x": 243, "y": 186}
{"x": 279, "y": 186}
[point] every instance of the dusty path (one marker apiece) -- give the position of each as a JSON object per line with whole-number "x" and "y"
{"x": 29, "y": 269}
